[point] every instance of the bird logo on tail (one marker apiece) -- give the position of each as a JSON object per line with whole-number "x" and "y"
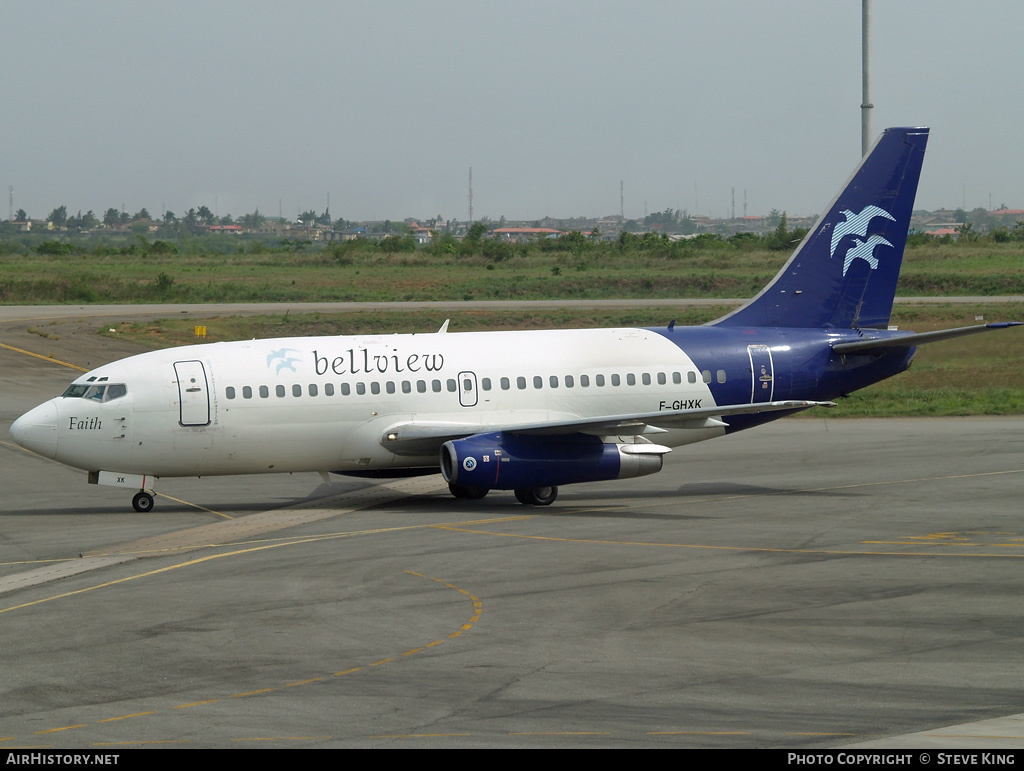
{"x": 857, "y": 225}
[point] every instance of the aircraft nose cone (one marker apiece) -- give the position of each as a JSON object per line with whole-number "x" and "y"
{"x": 36, "y": 430}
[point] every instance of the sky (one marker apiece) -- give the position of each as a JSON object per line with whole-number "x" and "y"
{"x": 383, "y": 107}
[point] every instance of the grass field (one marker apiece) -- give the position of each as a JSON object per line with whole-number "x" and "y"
{"x": 368, "y": 275}
{"x": 978, "y": 375}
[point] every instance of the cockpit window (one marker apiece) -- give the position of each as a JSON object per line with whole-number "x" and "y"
{"x": 97, "y": 393}
{"x": 75, "y": 391}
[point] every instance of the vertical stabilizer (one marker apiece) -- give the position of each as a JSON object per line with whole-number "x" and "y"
{"x": 844, "y": 272}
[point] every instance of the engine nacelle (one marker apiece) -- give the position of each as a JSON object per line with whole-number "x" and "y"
{"x": 504, "y": 461}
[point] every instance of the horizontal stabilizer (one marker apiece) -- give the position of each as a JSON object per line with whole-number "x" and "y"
{"x": 910, "y": 340}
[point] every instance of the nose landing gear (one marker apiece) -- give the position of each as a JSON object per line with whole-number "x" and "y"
{"x": 142, "y": 502}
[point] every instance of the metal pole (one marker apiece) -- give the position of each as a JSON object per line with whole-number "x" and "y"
{"x": 866, "y": 106}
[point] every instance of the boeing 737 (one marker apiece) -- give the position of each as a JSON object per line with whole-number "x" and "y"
{"x": 520, "y": 411}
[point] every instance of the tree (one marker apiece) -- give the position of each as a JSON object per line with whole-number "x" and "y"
{"x": 781, "y": 238}
{"x": 169, "y": 217}
{"x": 141, "y": 214}
{"x": 253, "y": 220}
{"x": 205, "y": 216}
{"x": 81, "y": 221}
{"x": 476, "y": 231}
{"x": 394, "y": 244}
{"x": 111, "y": 217}
{"x": 20, "y": 216}
{"x": 967, "y": 233}
{"x": 59, "y": 216}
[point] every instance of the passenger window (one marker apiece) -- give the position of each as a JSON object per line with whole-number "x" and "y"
{"x": 229, "y": 392}
{"x": 706, "y": 375}
{"x": 264, "y": 392}
{"x": 406, "y": 387}
{"x": 246, "y": 392}
{"x": 435, "y": 386}
{"x": 721, "y": 376}
{"x": 451, "y": 385}
{"x": 374, "y": 387}
{"x": 485, "y": 384}
{"x": 569, "y": 382}
{"x": 630, "y": 379}
{"x": 313, "y": 391}
{"x": 521, "y": 383}
{"x": 599, "y": 381}
{"x": 279, "y": 390}
{"x": 467, "y": 385}
{"x": 646, "y": 378}
{"x": 389, "y": 387}
{"x": 691, "y": 376}
{"x": 328, "y": 389}
{"x": 538, "y": 381}
{"x": 505, "y": 385}
{"x": 346, "y": 389}
{"x": 421, "y": 386}
{"x": 553, "y": 380}
{"x": 296, "y": 389}
{"x": 584, "y": 381}
{"x": 615, "y": 380}
{"x": 360, "y": 388}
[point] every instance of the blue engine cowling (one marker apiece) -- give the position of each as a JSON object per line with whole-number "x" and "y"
{"x": 503, "y": 461}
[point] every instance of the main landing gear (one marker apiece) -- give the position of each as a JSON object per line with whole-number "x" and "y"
{"x": 143, "y": 501}
{"x": 472, "y": 493}
{"x": 528, "y": 496}
{"x": 536, "y": 496}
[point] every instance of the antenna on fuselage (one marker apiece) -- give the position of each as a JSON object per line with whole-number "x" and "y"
{"x": 671, "y": 325}
{"x": 444, "y": 327}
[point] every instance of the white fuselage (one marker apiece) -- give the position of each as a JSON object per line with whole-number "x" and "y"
{"x": 325, "y": 403}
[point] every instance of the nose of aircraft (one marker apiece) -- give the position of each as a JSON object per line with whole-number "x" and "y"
{"x": 36, "y": 430}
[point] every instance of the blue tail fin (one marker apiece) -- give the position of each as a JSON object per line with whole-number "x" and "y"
{"x": 844, "y": 272}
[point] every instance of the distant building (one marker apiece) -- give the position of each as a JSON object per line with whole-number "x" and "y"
{"x": 525, "y": 234}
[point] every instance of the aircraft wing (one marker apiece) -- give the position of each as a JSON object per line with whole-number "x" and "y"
{"x": 920, "y": 338}
{"x": 423, "y": 437}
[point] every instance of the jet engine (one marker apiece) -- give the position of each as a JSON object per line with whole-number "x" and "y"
{"x": 527, "y": 462}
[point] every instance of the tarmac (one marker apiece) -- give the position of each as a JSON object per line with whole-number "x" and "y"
{"x": 814, "y": 583}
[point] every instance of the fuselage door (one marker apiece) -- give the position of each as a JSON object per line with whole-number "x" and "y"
{"x": 762, "y": 374}
{"x": 467, "y": 389}
{"x": 193, "y": 393}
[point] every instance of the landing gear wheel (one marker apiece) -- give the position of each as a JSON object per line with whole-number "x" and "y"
{"x": 142, "y": 502}
{"x": 472, "y": 493}
{"x": 536, "y": 496}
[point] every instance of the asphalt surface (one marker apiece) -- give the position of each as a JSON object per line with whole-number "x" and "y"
{"x": 812, "y": 583}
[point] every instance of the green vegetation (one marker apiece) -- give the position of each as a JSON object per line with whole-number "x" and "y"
{"x": 977, "y": 375}
{"x": 130, "y": 268}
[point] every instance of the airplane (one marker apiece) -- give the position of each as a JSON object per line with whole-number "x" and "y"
{"x": 522, "y": 411}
